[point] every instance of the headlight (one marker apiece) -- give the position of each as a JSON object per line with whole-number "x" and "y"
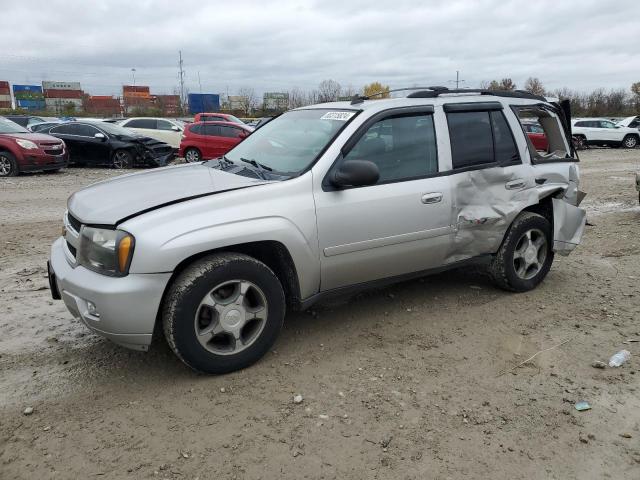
{"x": 26, "y": 144}
{"x": 106, "y": 251}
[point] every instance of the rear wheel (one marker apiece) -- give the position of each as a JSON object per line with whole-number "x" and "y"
{"x": 630, "y": 141}
{"x": 192, "y": 155}
{"x": 8, "y": 165}
{"x": 122, "y": 159}
{"x": 525, "y": 256}
{"x": 223, "y": 312}
{"x": 580, "y": 142}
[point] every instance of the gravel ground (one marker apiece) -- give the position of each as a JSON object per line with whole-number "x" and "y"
{"x": 411, "y": 381}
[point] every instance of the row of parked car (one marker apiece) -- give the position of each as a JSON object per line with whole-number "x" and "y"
{"x": 30, "y": 143}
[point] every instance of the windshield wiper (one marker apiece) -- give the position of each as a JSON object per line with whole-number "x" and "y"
{"x": 258, "y": 165}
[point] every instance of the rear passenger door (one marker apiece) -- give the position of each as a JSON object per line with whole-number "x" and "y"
{"x": 397, "y": 226}
{"x": 490, "y": 183}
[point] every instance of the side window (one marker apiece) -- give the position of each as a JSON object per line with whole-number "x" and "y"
{"x": 229, "y": 132}
{"x": 211, "y": 130}
{"x": 605, "y": 124}
{"x": 506, "y": 151}
{"x": 471, "y": 138}
{"x": 85, "y": 130}
{"x": 403, "y": 147}
{"x": 63, "y": 130}
{"x": 141, "y": 123}
{"x": 197, "y": 129}
{"x": 163, "y": 125}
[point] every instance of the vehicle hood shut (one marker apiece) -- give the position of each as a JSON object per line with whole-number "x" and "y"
{"x": 111, "y": 201}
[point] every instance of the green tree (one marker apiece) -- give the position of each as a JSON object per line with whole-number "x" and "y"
{"x": 376, "y": 87}
{"x": 534, "y": 85}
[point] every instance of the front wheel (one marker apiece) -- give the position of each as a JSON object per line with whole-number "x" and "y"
{"x": 8, "y": 165}
{"x": 526, "y": 254}
{"x": 122, "y": 159}
{"x": 630, "y": 141}
{"x": 223, "y": 313}
{"x": 579, "y": 142}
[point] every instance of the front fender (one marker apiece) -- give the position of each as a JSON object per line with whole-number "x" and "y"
{"x": 165, "y": 256}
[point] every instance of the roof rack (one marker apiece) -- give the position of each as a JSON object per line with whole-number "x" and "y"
{"x": 436, "y": 91}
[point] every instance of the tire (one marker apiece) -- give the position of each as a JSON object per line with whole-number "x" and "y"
{"x": 509, "y": 268}
{"x": 204, "y": 313}
{"x": 122, "y": 159}
{"x": 630, "y": 141}
{"x": 580, "y": 142}
{"x": 192, "y": 155}
{"x": 8, "y": 165}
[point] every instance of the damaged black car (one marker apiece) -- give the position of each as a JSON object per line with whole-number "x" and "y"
{"x": 100, "y": 143}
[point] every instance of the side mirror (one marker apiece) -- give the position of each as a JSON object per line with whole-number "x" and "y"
{"x": 99, "y": 136}
{"x": 174, "y": 128}
{"x": 355, "y": 173}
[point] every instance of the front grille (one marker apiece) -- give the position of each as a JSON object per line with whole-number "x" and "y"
{"x": 74, "y": 222}
{"x": 56, "y": 153}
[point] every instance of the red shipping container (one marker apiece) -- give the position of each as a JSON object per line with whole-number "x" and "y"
{"x": 136, "y": 89}
{"x": 55, "y": 93}
{"x": 5, "y": 104}
{"x": 4, "y": 84}
{"x": 5, "y": 91}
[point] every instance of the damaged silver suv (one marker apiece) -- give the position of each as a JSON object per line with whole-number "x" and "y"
{"x": 323, "y": 199}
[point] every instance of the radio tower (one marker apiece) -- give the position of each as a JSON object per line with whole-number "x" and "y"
{"x": 181, "y": 77}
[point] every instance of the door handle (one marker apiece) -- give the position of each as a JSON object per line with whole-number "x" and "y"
{"x": 515, "y": 184}
{"x": 429, "y": 198}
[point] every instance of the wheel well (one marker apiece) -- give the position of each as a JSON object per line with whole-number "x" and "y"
{"x": 544, "y": 208}
{"x": 272, "y": 253}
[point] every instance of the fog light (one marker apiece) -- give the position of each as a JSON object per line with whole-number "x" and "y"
{"x": 92, "y": 310}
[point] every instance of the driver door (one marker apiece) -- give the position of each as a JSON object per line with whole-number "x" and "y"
{"x": 399, "y": 225}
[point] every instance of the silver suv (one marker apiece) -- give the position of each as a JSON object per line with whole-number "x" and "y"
{"x": 324, "y": 199}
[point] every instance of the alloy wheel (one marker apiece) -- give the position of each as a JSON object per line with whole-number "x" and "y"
{"x": 121, "y": 160}
{"x": 231, "y": 317}
{"x": 530, "y": 254}
{"x": 192, "y": 156}
{"x": 630, "y": 142}
{"x": 5, "y": 166}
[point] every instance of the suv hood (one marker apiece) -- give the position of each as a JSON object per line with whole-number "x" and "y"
{"x": 111, "y": 201}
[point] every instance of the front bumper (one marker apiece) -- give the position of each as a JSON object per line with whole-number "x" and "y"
{"x": 126, "y": 307}
{"x": 33, "y": 160}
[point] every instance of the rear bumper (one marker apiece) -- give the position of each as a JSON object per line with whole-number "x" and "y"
{"x": 121, "y": 309}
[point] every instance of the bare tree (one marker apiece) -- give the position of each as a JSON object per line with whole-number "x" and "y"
{"x": 328, "y": 91}
{"x": 249, "y": 99}
{"x": 507, "y": 84}
{"x": 297, "y": 98}
{"x": 534, "y": 85}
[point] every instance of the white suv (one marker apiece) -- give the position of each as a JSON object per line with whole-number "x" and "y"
{"x": 163, "y": 129}
{"x": 603, "y": 132}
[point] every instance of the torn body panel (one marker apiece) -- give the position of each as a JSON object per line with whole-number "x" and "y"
{"x": 568, "y": 226}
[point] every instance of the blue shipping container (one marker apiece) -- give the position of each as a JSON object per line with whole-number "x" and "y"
{"x": 30, "y": 104}
{"x": 203, "y": 102}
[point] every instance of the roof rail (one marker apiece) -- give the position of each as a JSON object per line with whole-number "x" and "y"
{"x": 430, "y": 93}
{"x": 436, "y": 91}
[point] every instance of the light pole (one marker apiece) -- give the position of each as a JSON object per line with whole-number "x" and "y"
{"x": 133, "y": 74}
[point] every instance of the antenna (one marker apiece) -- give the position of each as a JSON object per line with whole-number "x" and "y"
{"x": 457, "y": 81}
{"x": 199, "y": 83}
{"x": 181, "y": 78}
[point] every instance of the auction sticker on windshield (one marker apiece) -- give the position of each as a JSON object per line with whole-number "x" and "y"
{"x": 342, "y": 116}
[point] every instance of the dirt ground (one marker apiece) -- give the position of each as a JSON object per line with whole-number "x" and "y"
{"x": 406, "y": 382}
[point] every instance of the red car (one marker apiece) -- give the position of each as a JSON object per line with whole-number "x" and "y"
{"x": 217, "y": 117}
{"x": 537, "y": 136}
{"x": 23, "y": 151}
{"x": 206, "y": 140}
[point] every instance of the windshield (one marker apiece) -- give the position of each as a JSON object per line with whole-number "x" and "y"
{"x": 291, "y": 142}
{"x": 7, "y": 126}
{"x": 235, "y": 119}
{"x": 113, "y": 129}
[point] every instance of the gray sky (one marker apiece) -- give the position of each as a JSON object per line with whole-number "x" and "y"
{"x": 277, "y": 45}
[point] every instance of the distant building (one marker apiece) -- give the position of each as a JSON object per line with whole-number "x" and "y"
{"x": 275, "y": 101}
{"x": 237, "y": 102}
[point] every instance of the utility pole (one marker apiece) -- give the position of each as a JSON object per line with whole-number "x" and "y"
{"x": 133, "y": 73}
{"x": 199, "y": 83}
{"x": 181, "y": 78}
{"x": 457, "y": 81}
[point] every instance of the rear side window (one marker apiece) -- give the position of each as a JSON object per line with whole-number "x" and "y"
{"x": 506, "y": 151}
{"x": 197, "y": 129}
{"x": 471, "y": 138}
{"x": 211, "y": 130}
{"x": 479, "y": 138}
{"x": 403, "y": 147}
{"x": 141, "y": 123}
